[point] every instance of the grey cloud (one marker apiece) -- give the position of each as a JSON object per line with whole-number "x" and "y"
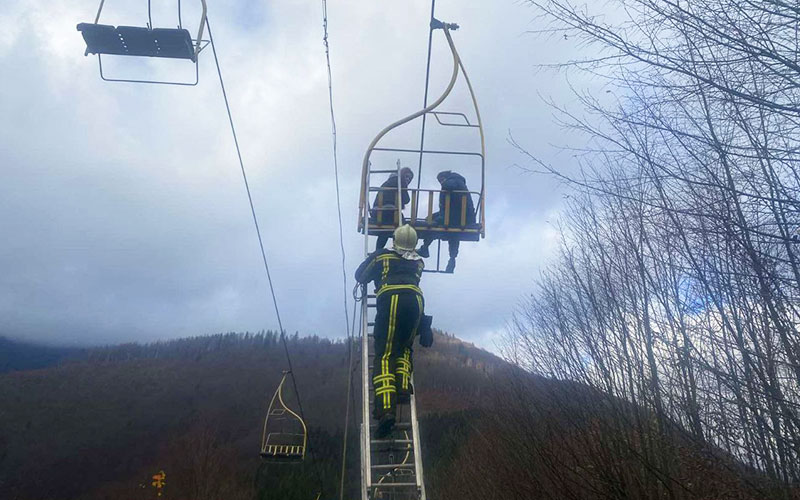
{"x": 122, "y": 207}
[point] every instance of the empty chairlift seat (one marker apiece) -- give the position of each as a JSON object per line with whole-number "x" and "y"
{"x": 137, "y": 41}
{"x": 285, "y": 435}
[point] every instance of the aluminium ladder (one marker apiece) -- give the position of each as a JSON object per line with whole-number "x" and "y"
{"x": 391, "y": 468}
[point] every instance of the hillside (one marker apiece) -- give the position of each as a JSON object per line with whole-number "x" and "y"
{"x": 15, "y": 355}
{"x": 100, "y": 425}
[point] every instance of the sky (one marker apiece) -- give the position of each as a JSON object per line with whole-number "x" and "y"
{"x": 123, "y": 213}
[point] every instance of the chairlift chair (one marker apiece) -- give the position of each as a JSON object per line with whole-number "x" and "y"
{"x": 382, "y": 220}
{"x": 168, "y": 43}
{"x": 285, "y": 436}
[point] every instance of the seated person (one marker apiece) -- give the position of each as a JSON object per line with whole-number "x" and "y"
{"x": 384, "y": 209}
{"x": 451, "y": 183}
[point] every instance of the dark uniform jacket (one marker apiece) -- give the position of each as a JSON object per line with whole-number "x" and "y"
{"x": 455, "y": 182}
{"x": 388, "y": 198}
{"x": 391, "y": 273}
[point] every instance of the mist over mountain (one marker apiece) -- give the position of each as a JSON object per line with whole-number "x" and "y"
{"x": 19, "y": 355}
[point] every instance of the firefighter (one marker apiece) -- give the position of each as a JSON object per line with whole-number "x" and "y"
{"x": 400, "y": 306}
{"x": 384, "y": 209}
{"x": 453, "y": 184}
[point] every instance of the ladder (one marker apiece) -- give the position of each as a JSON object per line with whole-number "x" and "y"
{"x": 391, "y": 468}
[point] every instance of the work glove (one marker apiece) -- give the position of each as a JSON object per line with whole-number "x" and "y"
{"x": 425, "y": 331}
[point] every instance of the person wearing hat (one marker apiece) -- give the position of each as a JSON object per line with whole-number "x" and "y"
{"x": 400, "y": 307}
{"x": 384, "y": 209}
{"x": 455, "y": 185}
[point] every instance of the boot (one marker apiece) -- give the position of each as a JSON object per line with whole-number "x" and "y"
{"x": 404, "y": 398}
{"x": 424, "y": 252}
{"x": 385, "y": 426}
{"x": 451, "y": 265}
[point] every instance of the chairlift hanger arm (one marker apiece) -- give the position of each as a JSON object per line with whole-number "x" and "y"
{"x": 365, "y": 165}
{"x": 482, "y": 199}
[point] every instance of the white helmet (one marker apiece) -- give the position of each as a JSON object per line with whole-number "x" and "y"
{"x": 405, "y": 239}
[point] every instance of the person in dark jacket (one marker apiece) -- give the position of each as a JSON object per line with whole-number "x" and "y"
{"x": 452, "y": 213}
{"x": 384, "y": 209}
{"x": 400, "y": 306}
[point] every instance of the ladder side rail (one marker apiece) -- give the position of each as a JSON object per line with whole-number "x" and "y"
{"x": 365, "y": 435}
{"x": 366, "y": 477}
{"x": 415, "y": 438}
{"x": 366, "y": 451}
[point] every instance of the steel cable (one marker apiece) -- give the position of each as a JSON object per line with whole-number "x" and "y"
{"x": 260, "y": 239}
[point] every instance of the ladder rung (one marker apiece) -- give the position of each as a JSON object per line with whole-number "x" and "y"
{"x": 394, "y": 485}
{"x": 391, "y": 441}
{"x": 398, "y": 425}
{"x": 393, "y": 466}
{"x": 383, "y": 171}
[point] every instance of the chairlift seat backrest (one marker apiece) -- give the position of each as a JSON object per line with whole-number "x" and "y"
{"x": 137, "y": 41}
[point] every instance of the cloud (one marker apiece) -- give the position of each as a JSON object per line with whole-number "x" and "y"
{"x": 122, "y": 207}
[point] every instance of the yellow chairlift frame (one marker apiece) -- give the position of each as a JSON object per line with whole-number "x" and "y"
{"x": 285, "y": 437}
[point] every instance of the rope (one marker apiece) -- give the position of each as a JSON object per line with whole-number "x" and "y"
{"x": 335, "y": 164}
{"x": 260, "y": 239}
{"x": 350, "y": 400}
{"x": 348, "y": 328}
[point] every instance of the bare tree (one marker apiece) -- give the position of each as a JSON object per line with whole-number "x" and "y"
{"x": 676, "y": 288}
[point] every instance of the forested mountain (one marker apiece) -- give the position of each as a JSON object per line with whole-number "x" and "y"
{"x": 16, "y": 355}
{"x": 102, "y": 424}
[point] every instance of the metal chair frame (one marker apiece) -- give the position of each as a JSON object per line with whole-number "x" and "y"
{"x": 199, "y": 44}
{"x": 282, "y": 452}
{"x": 446, "y": 119}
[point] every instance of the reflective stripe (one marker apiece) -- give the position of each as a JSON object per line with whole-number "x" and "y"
{"x": 404, "y": 368}
{"x": 391, "y": 288}
{"x": 387, "y": 353}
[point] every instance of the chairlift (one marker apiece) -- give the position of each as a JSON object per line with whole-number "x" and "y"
{"x": 381, "y": 220}
{"x": 138, "y": 41}
{"x": 285, "y": 436}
